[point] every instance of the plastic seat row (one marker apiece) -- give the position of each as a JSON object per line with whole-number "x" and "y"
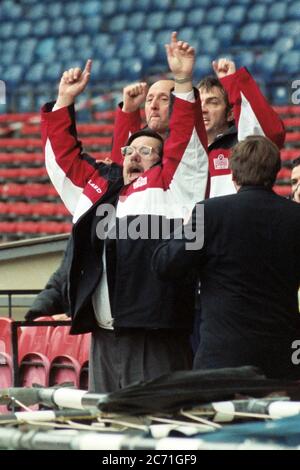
{"x": 47, "y": 356}
{"x": 45, "y": 228}
{"x": 42, "y": 209}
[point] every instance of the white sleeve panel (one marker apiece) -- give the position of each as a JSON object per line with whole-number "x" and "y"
{"x": 68, "y": 191}
{"x": 248, "y": 122}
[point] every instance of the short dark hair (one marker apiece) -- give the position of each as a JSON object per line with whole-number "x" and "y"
{"x": 296, "y": 162}
{"x": 148, "y": 133}
{"x": 210, "y": 82}
{"x": 255, "y": 161}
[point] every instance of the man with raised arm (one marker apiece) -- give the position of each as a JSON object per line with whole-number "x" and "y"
{"x": 140, "y": 326}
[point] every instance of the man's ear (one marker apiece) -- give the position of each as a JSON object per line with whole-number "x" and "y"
{"x": 230, "y": 116}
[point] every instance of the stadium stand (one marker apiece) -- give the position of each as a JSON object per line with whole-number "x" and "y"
{"x": 125, "y": 39}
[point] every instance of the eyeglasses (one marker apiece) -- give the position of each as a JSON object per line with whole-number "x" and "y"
{"x": 144, "y": 151}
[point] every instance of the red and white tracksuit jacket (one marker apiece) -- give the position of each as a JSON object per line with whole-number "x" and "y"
{"x": 253, "y": 116}
{"x": 170, "y": 189}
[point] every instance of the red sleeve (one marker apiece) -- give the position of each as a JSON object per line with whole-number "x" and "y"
{"x": 253, "y": 114}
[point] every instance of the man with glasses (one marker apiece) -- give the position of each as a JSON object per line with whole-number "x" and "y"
{"x": 140, "y": 326}
{"x": 295, "y": 180}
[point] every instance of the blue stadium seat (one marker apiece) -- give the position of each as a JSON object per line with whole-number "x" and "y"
{"x": 257, "y": 12}
{"x": 6, "y": 30}
{"x": 201, "y": 3}
{"x": 267, "y": 64}
{"x": 148, "y": 54}
{"x": 249, "y": 33}
{"x": 183, "y": 4}
{"x": 75, "y": 26}
{"x": 96, "y": 75}
{"x": 293, "y": 11}
{"x": 36, "y": 11}
{"x": 117, "y": 23}
{"x": 132, "y": 69}
{"x": 13, "y": 75}
{"x": 85, "y": 53}
{"x": 162, "y": 38}
{"x": 235, "y": 14}
{"x": 68, "y": 55}
{"x": 7, "y": 58}
{"x": 109, "y": 7}
{"x": 64, "y": 42}
{"x": 127, "y": 6}
{"x": 144, "y": 37}
{"x": 22, "y": 29}
{"x": 203, "y": 67}
{"x": 225, "y": 33}
{"x": 205, "y": 33}
{"x": 290, "y": 28}
{"x": 244, "y": 59}
{"x": 56, "y": 10}
{"x": 155, "y": 20}
{"x": 136, "y": 21}
{"x": 269, "y": 33}
{"x": 143, "y": 5}
{"x": 35, "y": 74}
{"x": 111, "y": 70}
{"x": 11, "y": 9}
{"x": 175, "y": 20}
{"x": 41, "y": 28}
{"x": 73, "y": 10}
{"x": 195, "y": 17}
{"x": 107, "y": 52}
{"x": 53, "y": 73}
{"x": 58, "y": 26}
{"x": 289, "y": 63}
{"x": 10, "y": 45}
{"x": 92, "y": 24}
{"x": 283, "y": 44}
{"x": 44, "y": 47}
{"x": 214, "y": 15}
{"x": 161, "y": 5}
{"x": 101, "y": 40}
{"x": 82, "y": 41}
{"x": 91, "y": 8}
{"x": 210, "y": 47}
{"x": 126, "y": 51}
{"x": 280, "y": 95}
{"x": 277, "y": 11}
{"x": 186, "y": 34}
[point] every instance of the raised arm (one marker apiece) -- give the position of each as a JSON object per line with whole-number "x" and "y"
{"x": 253, "y": 114}
{"x": 185, "y": 163}
{"x": 128, "y": 118}
{"x": 69, "y": 168}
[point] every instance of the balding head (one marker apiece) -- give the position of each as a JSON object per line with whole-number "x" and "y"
{"x": 157, "y": 106}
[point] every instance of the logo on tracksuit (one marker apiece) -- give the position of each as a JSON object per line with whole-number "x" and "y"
{"x": 221, "y": 162}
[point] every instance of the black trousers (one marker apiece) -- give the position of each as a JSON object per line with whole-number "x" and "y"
{"x": 122, "y": 357}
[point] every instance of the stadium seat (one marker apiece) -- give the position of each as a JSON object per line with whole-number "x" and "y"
{"x": 225, "y": 33}
{"x": 63, "y": 354}
{"x": 5, "y": 335}
{"x": 277, "y": 11}
{"x": 155, "y": 20}
{"x": 132, "y": 69}
{"x": 109, "y": 7}
{"x": 162, "y": 4}
{"x": 117, "y": 23}
{"x": 111, "y": 70}
{"x": 257, "y": 12}
{"x": 290, "y": 62}
{"x": 293, "y": 11}
{"x": 290, "y": 28}
{"x": 91, "y": 8}
{"x": 215, "y": 15}
{"x": 249, "y": 33}
{"x": 183, "y": 4}
{"x": 269, "y": 33}
{"x": 283, "y": 44}
{"x": 195, "y": 17}
{"x": 280, "y": 95}
{"x": 58, "y": 27}
{"x": 267, "y": 64}
{"x": 235, "y": 14}
{"x": 175, "y": 20}
{"x": 135, "y": 21}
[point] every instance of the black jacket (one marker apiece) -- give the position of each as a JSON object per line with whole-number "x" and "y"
{"x": 250, "y": 274}
{"x": 138, "y": 299}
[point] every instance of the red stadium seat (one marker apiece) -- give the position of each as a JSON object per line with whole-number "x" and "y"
{"x": 63, "y": 355}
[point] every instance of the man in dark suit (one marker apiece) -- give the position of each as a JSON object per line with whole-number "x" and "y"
{"x": 248, "y": 265}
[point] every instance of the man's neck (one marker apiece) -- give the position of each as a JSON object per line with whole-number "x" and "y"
{"x": 214, "y": 134}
